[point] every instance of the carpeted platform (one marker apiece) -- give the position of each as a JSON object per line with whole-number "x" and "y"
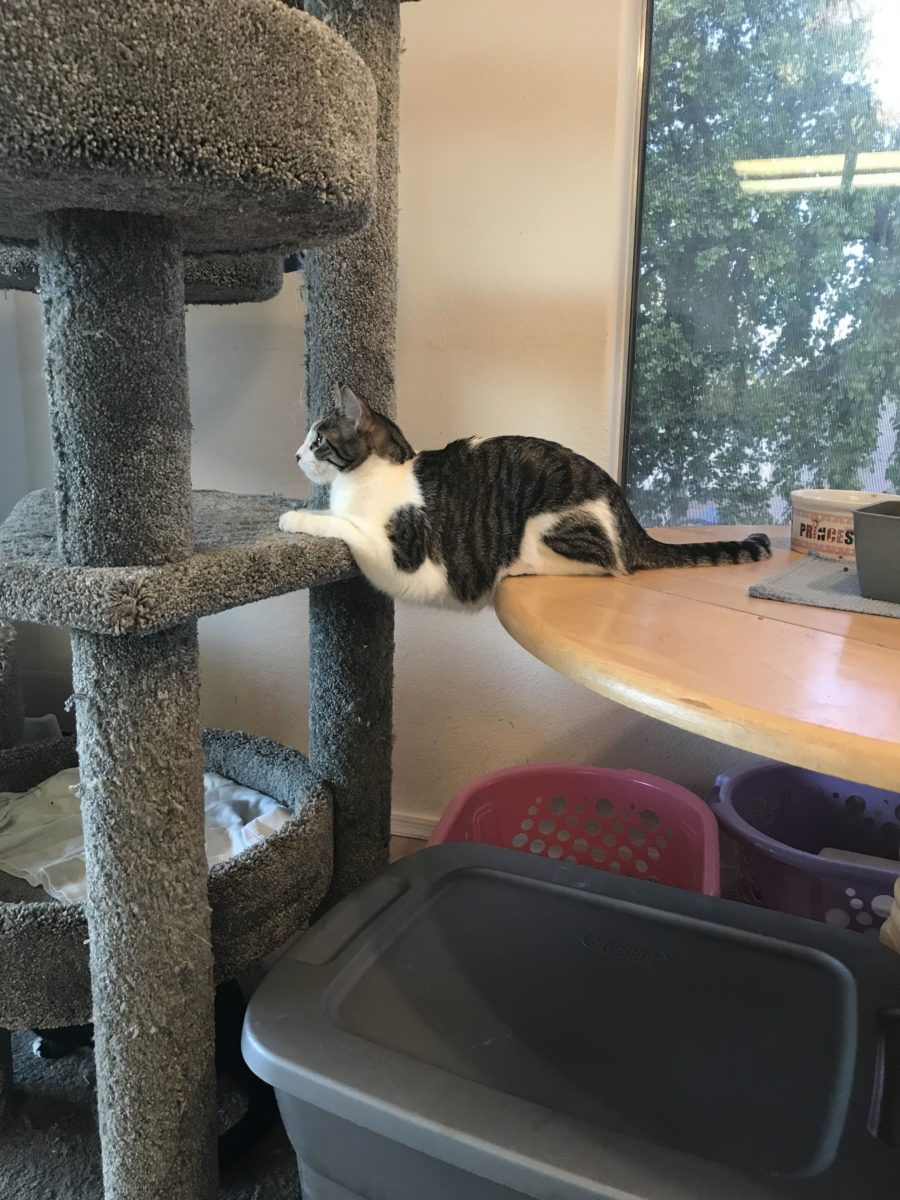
{"x": 239, "y": 556}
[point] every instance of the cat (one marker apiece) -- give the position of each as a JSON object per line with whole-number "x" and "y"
{"x": 260, "y": 1107}
{"x": 444, "y": 527}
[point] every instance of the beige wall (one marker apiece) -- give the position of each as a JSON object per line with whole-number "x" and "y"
{"x": 517, "y": 120}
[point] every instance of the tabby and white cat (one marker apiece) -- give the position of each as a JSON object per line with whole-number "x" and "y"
{"x": 446, "y": 526}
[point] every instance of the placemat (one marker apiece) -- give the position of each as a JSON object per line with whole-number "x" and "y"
{"x": 824, "y": 583}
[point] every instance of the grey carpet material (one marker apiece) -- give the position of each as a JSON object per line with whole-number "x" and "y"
{"x": 262, "y": 897}
{"x": 239, "y": 556}
{"x": 134, "y": 134}
{"x": 18, "y": 267}
{"x": 44, "y": 975}
{"x": 147, "y": 911}
{"x": 258, "y": 899}
{"x": 112, "y": 286}
{"x": 232, "y": 278}
{"x": 208, "y": 278}
{"x": 351, "y": 329}
{"x": 823, "y": 583}
{"x": 50, "y": 1149}
{"x": 250, "y": 122}
{"x": 12, "y": 708}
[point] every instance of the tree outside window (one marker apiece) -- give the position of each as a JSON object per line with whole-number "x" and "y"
{"x": 766, "y": 352}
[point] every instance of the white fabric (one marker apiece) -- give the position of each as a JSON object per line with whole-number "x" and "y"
{"x": 42, "y": 839}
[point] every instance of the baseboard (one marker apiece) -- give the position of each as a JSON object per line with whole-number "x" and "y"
{"x": 412, "y": 825}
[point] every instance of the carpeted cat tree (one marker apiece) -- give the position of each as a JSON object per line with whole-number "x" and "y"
{"x": 158, "y": 153}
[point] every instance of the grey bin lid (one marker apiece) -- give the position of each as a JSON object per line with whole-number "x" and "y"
{"x": 572, "y": 1034}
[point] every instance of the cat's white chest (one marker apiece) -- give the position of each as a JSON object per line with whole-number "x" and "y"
{"x": 369, "y": 497}
{"x": 372, "y": 493}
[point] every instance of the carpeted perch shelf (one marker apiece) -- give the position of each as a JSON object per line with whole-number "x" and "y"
{"x": 158, "y": 154}
{"x": 208, "y": 278}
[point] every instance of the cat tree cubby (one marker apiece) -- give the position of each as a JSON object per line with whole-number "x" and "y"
{"x": 146, "y": 144}
{"x": 258, "y": 898}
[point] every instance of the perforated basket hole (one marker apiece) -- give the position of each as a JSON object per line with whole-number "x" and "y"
{"x": 580, "y": 845}
{"x": 881, "y": 906}
{"x": 591, "y": 827}
{"x": 615, "y": 867}
{"x": 604, "y": 807}
{"x": 547, "y": 826}
{"x": 572, "y": 821}
{"x": 527, "y": 824}
{"x": 640, "y": 866}
{"x": 636, "y": 836}
{"x": 533, "y": 811}
{"x": 558, "y": 805}
{"x": 653, "y": 853}
{"x": 538, "y": 846}
{"x": 555, "y": 852}
{"x": 520, "y": 840}
{"x": 563, "y": 835}
{"x": 855, "y": 806}
{"x": 609, "y": 839}
{"x": 618, "y": 827}
{"x": 598, "y": 854}
{"x": 625, "y": 853}
{"x": 649, "y": 818}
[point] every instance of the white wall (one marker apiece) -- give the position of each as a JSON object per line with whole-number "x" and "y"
{"x": 517, "y": 128}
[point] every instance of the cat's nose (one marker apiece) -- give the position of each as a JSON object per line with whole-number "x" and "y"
{"x": 297, "y": 456}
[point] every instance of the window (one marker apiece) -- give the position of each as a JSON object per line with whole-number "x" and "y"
{"x": 766, "y": 337}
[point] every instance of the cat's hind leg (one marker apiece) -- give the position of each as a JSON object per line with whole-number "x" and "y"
{"x": 580, "y": 540}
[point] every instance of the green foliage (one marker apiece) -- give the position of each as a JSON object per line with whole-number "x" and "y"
{"x": 767, "y": 331}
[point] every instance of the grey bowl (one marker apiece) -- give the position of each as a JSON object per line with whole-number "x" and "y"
{"x": 877, "y": 536}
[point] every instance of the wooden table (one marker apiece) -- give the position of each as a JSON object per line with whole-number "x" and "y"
{"x": 810, "y": 686}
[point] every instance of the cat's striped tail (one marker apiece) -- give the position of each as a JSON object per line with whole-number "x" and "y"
{"x": 651, "y": 553}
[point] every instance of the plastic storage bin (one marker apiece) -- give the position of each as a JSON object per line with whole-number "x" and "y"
{"x": 781, "y": 817}
{"x": 477, "y": 1024}
{"x": 620, "y": 821}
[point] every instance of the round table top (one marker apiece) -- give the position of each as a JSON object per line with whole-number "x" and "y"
{"x": 814, "y": 687}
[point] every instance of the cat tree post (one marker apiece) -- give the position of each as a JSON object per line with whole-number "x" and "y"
{"x": 121, "y": 434}
{"x": 350, "y": 331}
{"x": 12, "y": 725}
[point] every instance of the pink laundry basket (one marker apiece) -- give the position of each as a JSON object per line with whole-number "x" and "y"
{"x": 622, "y": 821}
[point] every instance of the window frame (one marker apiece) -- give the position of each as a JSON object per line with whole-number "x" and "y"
{"x": 634, "y": 117}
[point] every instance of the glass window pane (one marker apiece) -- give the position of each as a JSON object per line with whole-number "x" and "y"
{"x": 767, "y": 325}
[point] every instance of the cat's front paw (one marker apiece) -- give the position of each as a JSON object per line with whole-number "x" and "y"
{"x": 293, "y": 521}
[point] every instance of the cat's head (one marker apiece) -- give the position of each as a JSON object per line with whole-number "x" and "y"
{"x": 347, "y": 436}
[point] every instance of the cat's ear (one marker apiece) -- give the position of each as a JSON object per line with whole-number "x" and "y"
{"x": 353, "y": 408}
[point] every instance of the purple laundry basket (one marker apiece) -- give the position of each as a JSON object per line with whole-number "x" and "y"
{"x": 779, "y": 818}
